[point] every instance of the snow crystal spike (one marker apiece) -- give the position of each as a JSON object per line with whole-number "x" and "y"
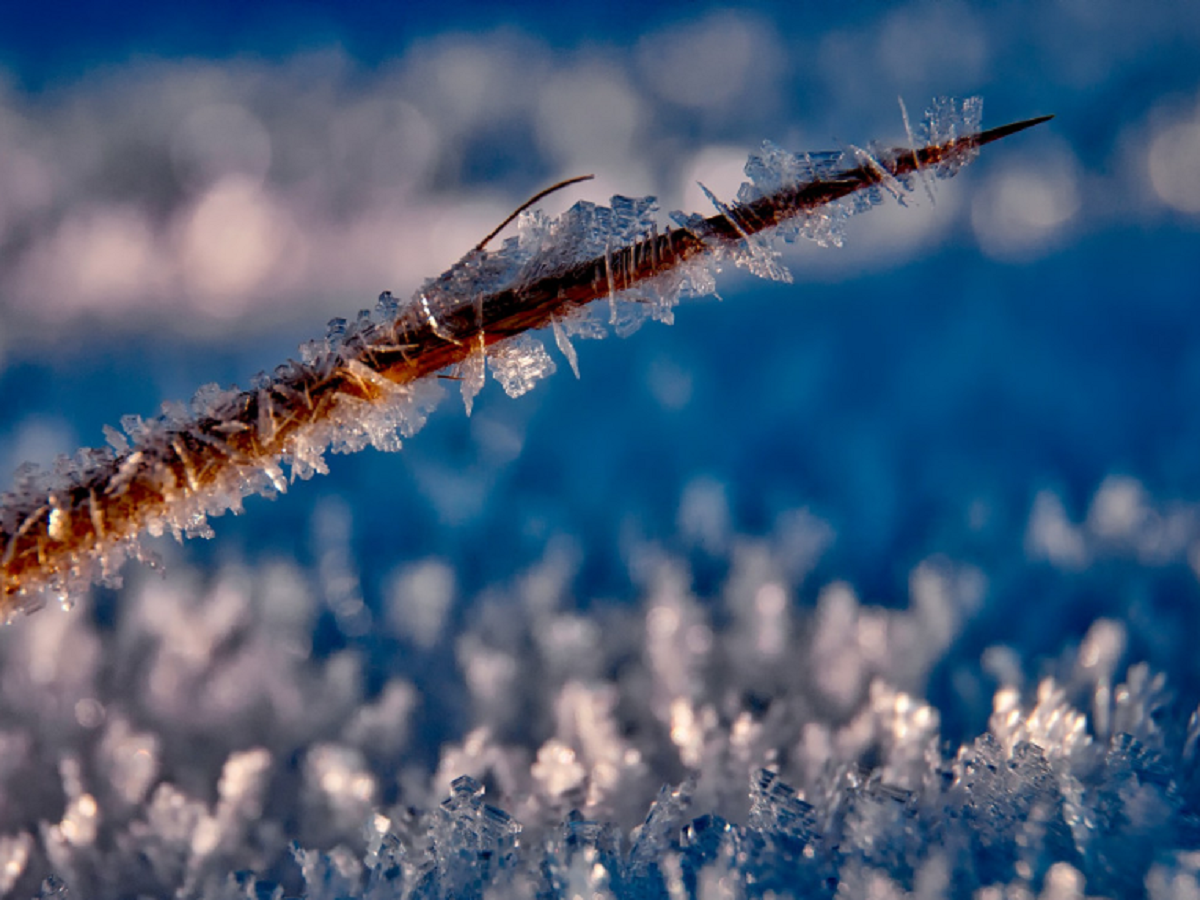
{"x": 362, "y": 385}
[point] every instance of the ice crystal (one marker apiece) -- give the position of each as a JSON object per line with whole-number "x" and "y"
{"x": 948, "y": 119}
{"x": 474, "y": 843}
{"x": 758, "y": 254}
{"x": 519, "y": 363}
{"x": 471, "y": 373}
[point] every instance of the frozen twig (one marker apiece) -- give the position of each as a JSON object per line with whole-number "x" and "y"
{"x": 375, "y": 377}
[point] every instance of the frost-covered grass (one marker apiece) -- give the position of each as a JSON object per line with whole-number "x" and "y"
{"x": 373, "y": 381}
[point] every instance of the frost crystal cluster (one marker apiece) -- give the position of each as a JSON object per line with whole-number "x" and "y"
{"x": 770, "y": 737}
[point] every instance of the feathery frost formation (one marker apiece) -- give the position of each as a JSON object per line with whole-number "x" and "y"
{"x": 373, "y": 380}
{"x": 731, "y": 742}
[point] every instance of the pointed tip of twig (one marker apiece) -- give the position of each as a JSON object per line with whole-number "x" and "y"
{"x": 1003, "y": 131}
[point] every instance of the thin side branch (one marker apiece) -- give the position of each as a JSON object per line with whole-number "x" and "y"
{"x": 540, "y": 195}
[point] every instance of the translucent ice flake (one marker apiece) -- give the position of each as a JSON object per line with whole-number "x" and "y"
{"x": 949, "y": 119}
{"x": 519, "y": 363}
{"x": 585, "y": 860}
{"x": 776, "y": 808}
{"x": 380, "y": 420}
{"x": 633, "y": 218}
{"x": 587, "y": 230}
{"x": 583, "y": 322}
{"x": 629, "y": 310}
{"x": 913, "y": 146}
{"x": 1013, "y": 809}
{"x": 563, "y": 341}
{"x": 115, "y": 439}
{"x": 773, "y": 169}
{"x": 471, "y": 373}
{"x": 335, "y": 331}
{"x": 868, "y": 161}
{"x": 473, "y": 842}
{"x": 697, "y": 277}
{"x": 306, "y": 455}
{"x": 758, "y": 255}
{"x": 657, "y": 835}
{"x": 479, "y": 273}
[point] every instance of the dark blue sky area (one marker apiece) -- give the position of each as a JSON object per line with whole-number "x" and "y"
{"x": 44, "y": 43}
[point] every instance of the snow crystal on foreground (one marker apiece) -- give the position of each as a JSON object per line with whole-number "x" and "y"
{"x": 769, "y": 740}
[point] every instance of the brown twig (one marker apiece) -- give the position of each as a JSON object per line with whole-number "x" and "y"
{"x": 74, "y": 530}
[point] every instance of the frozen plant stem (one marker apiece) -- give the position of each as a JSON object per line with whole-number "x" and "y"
{"x": 60, "y": 531}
